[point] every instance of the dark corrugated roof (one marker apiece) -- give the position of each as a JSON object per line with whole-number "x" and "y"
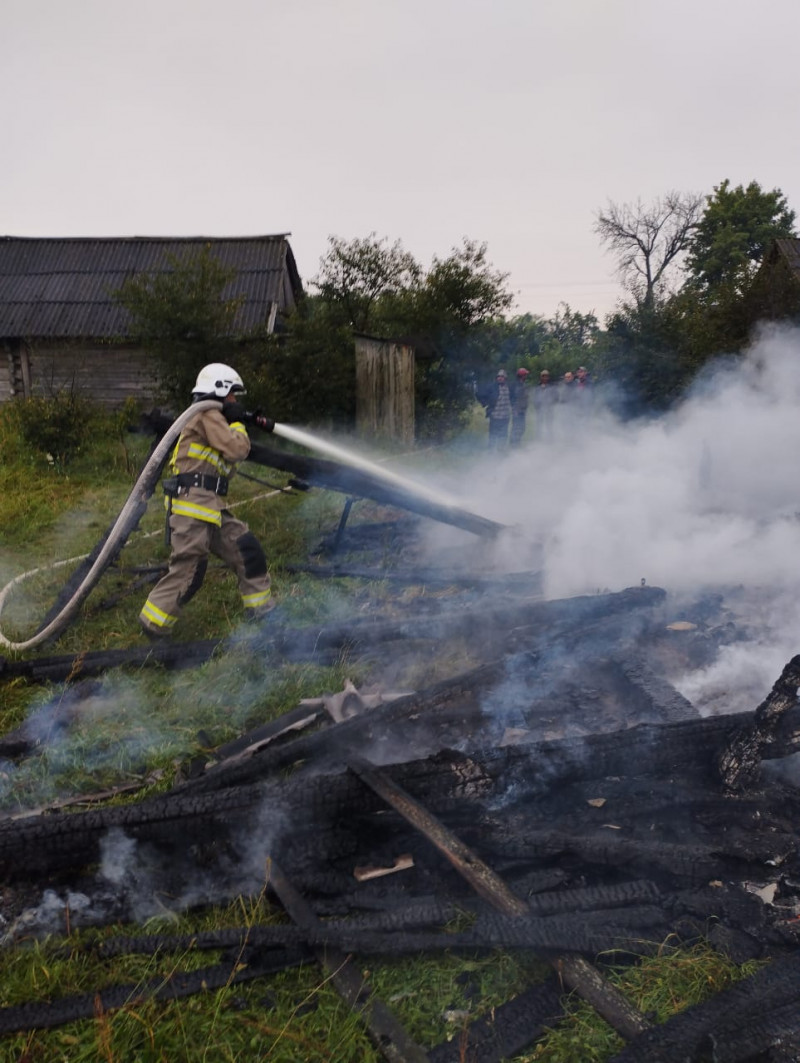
{"x": 62, "y": 287}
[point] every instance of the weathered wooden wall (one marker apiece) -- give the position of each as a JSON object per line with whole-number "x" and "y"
{"x": 384, "y": 389}
{"x": 107, "y": 373}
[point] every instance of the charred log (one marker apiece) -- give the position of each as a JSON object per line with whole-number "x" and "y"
{"x": 41, "y": 844}
{"x": 94, "y": 662}
{"x": 387, "y": 1034}
{"x": 576, "y": 971}
{"x": 507, "y": 1030}
{"x": 684, "y": 1036}
{"x": 175, "y": 985}
{"x": 740, "y": 761}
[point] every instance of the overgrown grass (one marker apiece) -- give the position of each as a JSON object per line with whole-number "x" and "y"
{"x": 141, "y": 726}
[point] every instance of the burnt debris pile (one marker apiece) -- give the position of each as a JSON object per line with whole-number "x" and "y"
{"x": 561, "y": 797}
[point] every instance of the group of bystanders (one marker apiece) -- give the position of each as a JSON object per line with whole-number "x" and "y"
{"x": 506, "y": 405}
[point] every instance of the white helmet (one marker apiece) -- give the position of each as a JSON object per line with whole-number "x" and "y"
{"x": 217, "y": 380}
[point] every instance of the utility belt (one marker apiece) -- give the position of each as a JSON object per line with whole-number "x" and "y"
{"x": 173, "y": 484}
{"x": 172, "y": 487}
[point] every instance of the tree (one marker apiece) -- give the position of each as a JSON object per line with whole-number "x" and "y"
{"x": 448, "y": 319}
{"x": 306, "y": 374}
{"x": 734, "y": 232}
{"x": 570, "y": 329}
{"x": 648, "y": 240}
{"x": 182, "y": 318}
{"x": 371, "y": 286}
{"x": 357, "y": 276}
{"x": 516, "y": 341}
{"x": 639, "y": 360}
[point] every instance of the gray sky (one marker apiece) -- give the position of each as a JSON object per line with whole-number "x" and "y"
{"x": 510, "y": 122}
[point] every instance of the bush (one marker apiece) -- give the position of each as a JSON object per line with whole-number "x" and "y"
{"x": 56, "y": 426}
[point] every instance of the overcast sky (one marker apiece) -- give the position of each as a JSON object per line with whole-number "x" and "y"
{"x": 510, "y": 122}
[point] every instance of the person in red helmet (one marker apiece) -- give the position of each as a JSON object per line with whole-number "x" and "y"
{"x": 519, "y": 407}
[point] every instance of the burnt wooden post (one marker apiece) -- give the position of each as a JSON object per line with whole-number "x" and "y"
{"x": 739, "y": 764}
{"x": 385, "y": 389}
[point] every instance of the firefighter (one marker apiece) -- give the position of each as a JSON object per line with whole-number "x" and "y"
{"x": 202, "y": 462}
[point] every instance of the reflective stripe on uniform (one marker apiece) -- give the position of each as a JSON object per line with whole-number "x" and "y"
{"x": 213, "y": 457}
{"x": 182, "y": 508}
{"x": 237, "y": 426}
{"x": 253, "y": 601}
{"x": 157, "y": 616}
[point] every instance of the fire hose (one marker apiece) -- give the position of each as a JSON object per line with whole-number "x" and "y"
{"x": 363, "y": 477}
{"x": 127, "y": 520}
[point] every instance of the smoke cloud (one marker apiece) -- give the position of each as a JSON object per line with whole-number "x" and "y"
{"x": 705, "y": 499}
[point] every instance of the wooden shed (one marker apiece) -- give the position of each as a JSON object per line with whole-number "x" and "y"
{"x": 384, "y": 389}
{"x": 60, "y": 325}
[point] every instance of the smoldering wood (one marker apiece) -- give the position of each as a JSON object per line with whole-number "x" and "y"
{"x": 429, "y": 720}
{"x": 321, "y": 472}
{"x": 740, "y": 761}
{"x": 482, "y": 879}
{"x": 321, "y": 803}
{"x": 574, "y": 970}
{"x": 558, "y": 618}
{"x": 31, "y": 848}
{"x": 636, "y": 816}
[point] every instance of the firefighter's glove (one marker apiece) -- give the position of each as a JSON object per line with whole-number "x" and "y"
{"x": 234, "y": 411}
{"x": 260, "y": 420}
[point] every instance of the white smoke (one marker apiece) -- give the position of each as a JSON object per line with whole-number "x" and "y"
{"x": 707, "y": 498}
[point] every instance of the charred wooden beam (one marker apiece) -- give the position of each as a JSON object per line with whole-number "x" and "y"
{"x": 506, "y": 1030}
{"x": 577, "y": 972}
{"x": 56, "y": 668}
{"x": 44, "y": 844}
{"x": 685, "y": 1035}
{"x": 175, "y": 985}
{"x": 358, "y": 484}
{"x": 385, "y": 1031}
{"x": 483, "y": 880}
{"x": 740, "y": 762}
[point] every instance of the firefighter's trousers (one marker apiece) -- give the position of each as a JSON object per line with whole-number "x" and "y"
{"x": 192, "y": 541}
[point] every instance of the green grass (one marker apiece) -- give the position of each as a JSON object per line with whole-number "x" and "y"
{"x": 139, "y": 726}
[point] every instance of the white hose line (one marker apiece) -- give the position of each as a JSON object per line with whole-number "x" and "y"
{"x": 134, "y": 499}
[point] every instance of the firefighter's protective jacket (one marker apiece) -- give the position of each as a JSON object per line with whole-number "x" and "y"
{"x": 208, "y": 445}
